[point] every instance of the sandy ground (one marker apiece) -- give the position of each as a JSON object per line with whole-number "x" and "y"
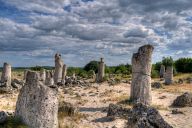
{"x": 92, "y": 101}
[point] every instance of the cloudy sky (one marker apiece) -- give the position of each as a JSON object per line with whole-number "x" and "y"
{"x": 32, "y": 31}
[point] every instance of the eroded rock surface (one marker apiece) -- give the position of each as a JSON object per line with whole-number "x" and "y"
{"x": 117, "y": 111}
{"x": 141, "y": 75}
{"x": 143, "y": 116}
{"x": 183, "y": 101}
{"x": 37, "y": 104}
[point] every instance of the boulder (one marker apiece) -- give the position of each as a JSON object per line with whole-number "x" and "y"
{"x": 143, "y": 116}
{"x": 3, "y": 116}
{"x": 156, "y": 85}
{"x": 15, "y": 83}
{"x": 180, "y": 81}
{"x": 189, "y": 80}
{"x": 117, "y": 111}
{"x": 185, "y": 100}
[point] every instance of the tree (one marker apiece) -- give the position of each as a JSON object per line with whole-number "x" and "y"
{"x": 167, "y": 61}
{"x": 184, "y": 65}
{"x": 92, "y": 65}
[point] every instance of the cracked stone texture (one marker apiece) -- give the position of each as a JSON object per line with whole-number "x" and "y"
{"x": 141, "y": 75}
{"x": 37, "y": 104}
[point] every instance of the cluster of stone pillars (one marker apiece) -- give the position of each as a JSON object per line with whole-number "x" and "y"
{"x": 37, "y": 104}
{"x": 60, "y": 70}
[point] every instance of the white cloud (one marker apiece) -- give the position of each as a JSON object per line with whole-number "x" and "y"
{"x": 108, "y": 28}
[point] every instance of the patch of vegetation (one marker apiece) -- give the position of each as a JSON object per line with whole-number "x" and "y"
{"x": 127, "y": 101}
{"x": 13, "y": 122}
{"x": 159, "y": 107}
{"x": 184, "y": 65}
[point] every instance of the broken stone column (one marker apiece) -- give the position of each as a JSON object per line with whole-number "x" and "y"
{"x": 6, "y": 75}
{"x": 64, "y": 73}
{"x": 43, "y": 75}
{"x": 58, "y": 68}
{"x": 49, "y": 78}
{"x": 162, "y": 71}
{"x": 37, "y": 104}
{"x": 169, "y": 75}
{"x": 25, "y": 74}
{"x": 141, "y": 75}
{"x": 101, "y": 71}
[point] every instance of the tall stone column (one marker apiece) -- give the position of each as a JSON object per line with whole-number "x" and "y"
{"x": 169, "y": 75}
{"x": 58, "y": 68}
{"x": 162, "y": 71}
{"x": 25, "y": 74}
{"x": 43, "y": 75}
{"x": 37, "y": 104}
{"x": 101, "y": 71}
{"x": 64, "y": 73}
{"x": 141, "y": 75}
{"x": 49, "y": 78}
{"x": 6, "y": 75}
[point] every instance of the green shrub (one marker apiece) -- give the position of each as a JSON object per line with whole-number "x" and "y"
{"x": 13, "y": 122}
{"x": 155, "y": 74}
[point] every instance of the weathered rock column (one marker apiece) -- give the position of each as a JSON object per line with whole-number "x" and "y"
{"x": 162, "y": 71}
{"x": 43, "y": 75}
{"x": 93, "y": 76}
{"x": 25, "y": 74}
{"x": 37, "y": 104}
{"x": 169, "y": 75}
{"x": 58, "y": 68}
{"x": 141, "y": 75}
{"x": 49, "y": 78}
{"x": 64, "y": 73}
{"x": 101, "y": 71}
{"x": 6, "y": 75}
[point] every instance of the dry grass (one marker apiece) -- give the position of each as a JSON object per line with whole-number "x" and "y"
{"x": 177, "y": 88}
{"x": 66, "y": 121}
{"x": 159, "y": 107}
{"x": 182, "y": 76}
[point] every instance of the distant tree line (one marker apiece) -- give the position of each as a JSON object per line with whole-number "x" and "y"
{"x": 182, "y": 65}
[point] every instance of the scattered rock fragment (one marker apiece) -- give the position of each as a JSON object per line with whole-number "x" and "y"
{"x": 117, "y": 111}
{"x": 185, "y": 100}
{"x": 176, "y": 111}
{"x": 156, "y": 85}
{"x": 143, "y": 116}
{"x": 3, "y": 116}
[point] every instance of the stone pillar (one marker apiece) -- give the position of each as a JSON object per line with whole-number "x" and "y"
{"x": 64, "y": 73}
{"x": 141, "y": 75}
{"x": 37, "y": 104}
{"x": 25, "y": 74}
{"x": 49, "y": 78}
{"x": 162, "y": 71}
{"x": 6, "y": 75}
{"x": 93, "y": 76}
{"x": 101, "y": 71}
{"x": 43, "y": 75}
{"x": 169, "y": 75}
{"x": 58, "y": 68}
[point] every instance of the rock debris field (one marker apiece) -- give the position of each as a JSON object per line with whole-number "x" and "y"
{"x": 51, "y": 99}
